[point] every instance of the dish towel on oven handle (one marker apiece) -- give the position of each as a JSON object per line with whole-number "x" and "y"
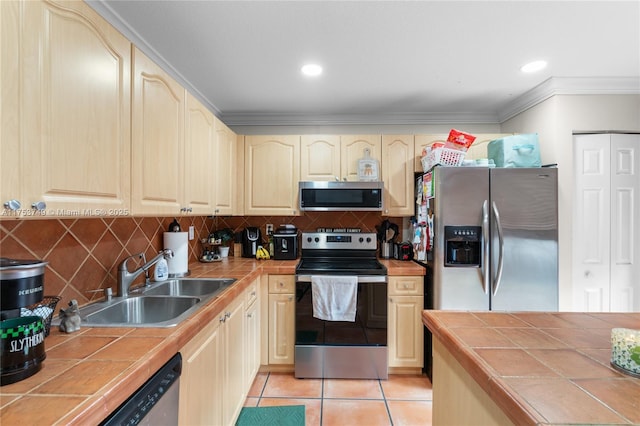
{"x": 334, "y": 297}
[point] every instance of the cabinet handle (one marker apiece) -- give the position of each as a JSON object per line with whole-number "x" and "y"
{"x": 12, "y": 205}
{"x": 39, "y": 205}
{"x": 222, "y": 319}
{"x": 253, "y": 293}
{"x": 227, "y": 315}
{"x": 190, "y": 209}
{"x": 249, "y": 316}
{"x": 290, "y": 298}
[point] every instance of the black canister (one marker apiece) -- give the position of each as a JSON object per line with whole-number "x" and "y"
{"x": 21, "y": 283}
{"x": 22, "y": 348}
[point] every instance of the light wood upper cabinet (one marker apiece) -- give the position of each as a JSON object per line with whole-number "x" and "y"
{"x": 397, "y": 173}
{"x": 200, "y": 147}
{"x": 158, "y": 139}
{"x": 320, "y": 158}
{"x": 224, "y": 182}
{"x": 65, "y": 110}
{"x": 272, "y": 172}
{"x": 421, "y": 142}
{"x": 352, "y": 149}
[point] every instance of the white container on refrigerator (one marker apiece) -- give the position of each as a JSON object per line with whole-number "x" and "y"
{"x": 515, "y": 214}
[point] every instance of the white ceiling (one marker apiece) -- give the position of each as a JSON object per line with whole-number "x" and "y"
{"x": 384, "y": 61}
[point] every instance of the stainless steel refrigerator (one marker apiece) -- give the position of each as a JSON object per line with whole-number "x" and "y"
{"x": 489, "y": 237}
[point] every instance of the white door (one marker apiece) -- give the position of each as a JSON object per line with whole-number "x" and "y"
{"x": 606, "y": 228}
{"x": 625, "y": 223}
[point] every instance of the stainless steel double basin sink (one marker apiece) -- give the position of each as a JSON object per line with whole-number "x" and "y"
{"x": 163, "y": 304}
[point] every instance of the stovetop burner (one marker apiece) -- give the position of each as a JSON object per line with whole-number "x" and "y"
{"x": 341, "y": 251}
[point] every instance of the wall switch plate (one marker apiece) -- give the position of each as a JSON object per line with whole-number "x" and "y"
{"x": 191, "y": 232}
{"x": 269, "y": 228}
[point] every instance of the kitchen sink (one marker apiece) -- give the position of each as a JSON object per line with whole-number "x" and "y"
{"x": 136, "y": 311}
{"x": 163, "y": 304}
{"x": 189, "y": 287}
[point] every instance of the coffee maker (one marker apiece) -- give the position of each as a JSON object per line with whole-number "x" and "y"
{"x": 251, "y": 239}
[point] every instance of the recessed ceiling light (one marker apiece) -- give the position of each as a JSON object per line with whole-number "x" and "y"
{"x": 311, "y": 70}
{"x": 533, "y": 66}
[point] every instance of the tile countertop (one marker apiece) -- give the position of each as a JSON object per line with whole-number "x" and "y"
{"x": 543, "y": 368}
{"x": 88, "y": 374}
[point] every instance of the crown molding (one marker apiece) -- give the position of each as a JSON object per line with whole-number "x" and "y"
{"x": 569, "y": 86}
{"x": 310, "y": 119}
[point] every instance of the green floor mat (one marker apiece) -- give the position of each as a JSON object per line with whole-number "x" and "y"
{"x": 286, "y": 415}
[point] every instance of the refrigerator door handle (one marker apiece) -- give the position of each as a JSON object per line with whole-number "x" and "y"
{"x": 496, "y": 283}
{"x": 485, "y": 247}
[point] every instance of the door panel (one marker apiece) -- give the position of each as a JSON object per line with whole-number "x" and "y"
{"x": 460, "y": 193}
{"x": 527, "y": 203}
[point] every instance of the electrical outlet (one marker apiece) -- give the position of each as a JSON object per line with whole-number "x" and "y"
{"x": 191, "y": 232}
{"x": 269, "y": 228}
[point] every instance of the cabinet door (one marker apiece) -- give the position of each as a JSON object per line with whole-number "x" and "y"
{"x": 158, "y": 139}
{"x": 272, "y": 170}
{"x": 202, "y": 375}
{"x": 281, "y": 328}
{"x": 423, "y": 141}
{"x": 199, "y": 159}
{"x": 224, "y": 181}
{"x": 11, "y": 167}
{"x": 252, "y": 334}
{"x": 75, "y": 109}
{"x": 352, "y": 149}
{"x": 234, "y": 350}
{"x": 320, "y": 157}
{"x": 406, "y": 332}
{"x": 397, "y": 174}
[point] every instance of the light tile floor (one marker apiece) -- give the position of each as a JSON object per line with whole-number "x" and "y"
{"x": 400, "y": 400}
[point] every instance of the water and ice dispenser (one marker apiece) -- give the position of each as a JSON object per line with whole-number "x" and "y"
{"x": 463, "y": 246}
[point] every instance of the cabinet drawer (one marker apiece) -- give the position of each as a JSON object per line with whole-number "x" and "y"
{"x": 280, "y": 284}
{"x": 251, "y": 294}
{"x": 406, "y": 286}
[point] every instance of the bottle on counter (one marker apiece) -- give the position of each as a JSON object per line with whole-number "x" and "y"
{"x": 161, "y": 272}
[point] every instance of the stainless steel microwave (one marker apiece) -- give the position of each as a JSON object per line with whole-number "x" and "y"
{"x": 341, "y": 196}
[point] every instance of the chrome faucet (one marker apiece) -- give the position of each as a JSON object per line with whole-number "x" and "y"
{"x": 125, "y": 278}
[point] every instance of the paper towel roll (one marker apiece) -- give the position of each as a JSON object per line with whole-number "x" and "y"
{"x": 179, "y": 244}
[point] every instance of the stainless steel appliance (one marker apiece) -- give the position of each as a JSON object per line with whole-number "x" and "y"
{"x": 251, "y": 239}
{"x": 285, "y": 242}
{"x": 154, "y": 403}
{"x": 341, "y": 349}
{"x": 493, "y": 244}
{"x": 341, "y": 196}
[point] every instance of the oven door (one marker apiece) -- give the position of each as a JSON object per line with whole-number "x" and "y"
{"x": 342, "y": 349}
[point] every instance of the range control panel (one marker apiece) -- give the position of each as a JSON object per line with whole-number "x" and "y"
{"x": 339, "y": 241}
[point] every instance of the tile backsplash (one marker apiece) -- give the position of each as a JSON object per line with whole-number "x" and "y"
{"x": 83, "y": 254}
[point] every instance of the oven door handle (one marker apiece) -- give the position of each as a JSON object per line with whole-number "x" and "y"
{"x": 362, "y": 279}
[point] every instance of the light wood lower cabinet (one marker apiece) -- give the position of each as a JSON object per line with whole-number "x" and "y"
{"x": 252, "y": 331}
{"x": 215, "y": 370}
{"x": 405, "y": 329}
{"x": 282, "y": 290}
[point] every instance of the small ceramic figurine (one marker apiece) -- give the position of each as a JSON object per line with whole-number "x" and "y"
{"x": 70, "y": 319}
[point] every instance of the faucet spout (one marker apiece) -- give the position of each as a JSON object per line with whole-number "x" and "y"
{"x": 125, "y": 278}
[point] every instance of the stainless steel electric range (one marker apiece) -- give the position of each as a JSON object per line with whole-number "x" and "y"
{"x": 341, "y": 349}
